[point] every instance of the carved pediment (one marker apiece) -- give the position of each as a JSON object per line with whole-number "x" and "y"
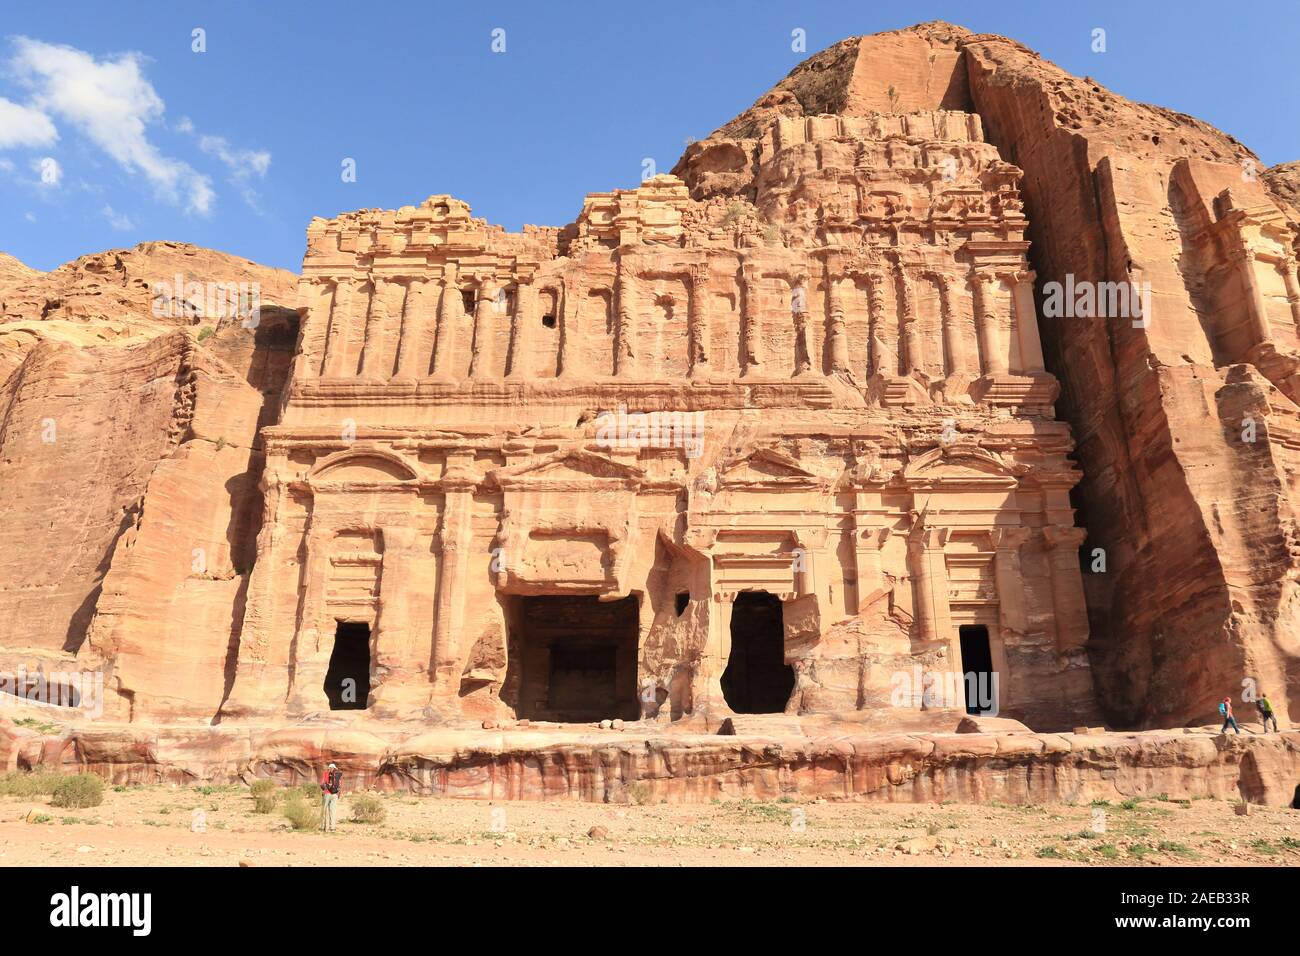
{"x": 768, "y": 466}
{"x": 577, "y": 467}
{"x": 961, "y": 465}
{"x": 363, "y": 465}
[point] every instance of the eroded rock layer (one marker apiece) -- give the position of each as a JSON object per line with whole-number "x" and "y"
{"x": 692, "y": 768}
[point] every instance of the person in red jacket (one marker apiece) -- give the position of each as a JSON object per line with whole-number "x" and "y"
{"x": 330, "y": 784}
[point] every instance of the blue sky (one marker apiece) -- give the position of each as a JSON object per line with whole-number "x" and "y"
{"x": 114, "y": 131}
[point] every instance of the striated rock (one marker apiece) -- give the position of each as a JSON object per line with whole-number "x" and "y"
{"x": 130, "y": 460}
{"x": 918, "y": 768}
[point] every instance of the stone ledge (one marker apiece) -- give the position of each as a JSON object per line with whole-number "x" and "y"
{"x": 606, "y": 766}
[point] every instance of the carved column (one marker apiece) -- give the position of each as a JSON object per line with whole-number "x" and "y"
{"x": 521, "y": 339}
{"x": 346, "y": 297}
{"x": 698, "y": 316}
{"x": 309, "y": 652}
{"x": 910, "y": 329}
{"x": 454, "y": 538}
{"x": 1069, "y": 607}
{"x": 573, "y": 292}
{"x": 485, "y": 307}
{"x": 1031, "y": 349}
{"x": 625, "y": 350}
{"x": 880, "y": 362}
{"x": 450, "y": 312}
{"x": 799, "y": 314}
{"x": 392, "y": 646}
{"x": 413, "y": 341}
{"x": 1256, "y": 310}
{"x": 1007, "y": 575}
{"x": 952, "y": 342}
{"x": 1288, "y": 269}
{"x": 869, "y": 566}
{"x": 372, "y": 346}
{"x": 836, "y": 333}
{"x": 750, "y": 321}
{"x": 929, "y": 569}
{"x": 309, "y": 360}
{"x": 994, "y": 356}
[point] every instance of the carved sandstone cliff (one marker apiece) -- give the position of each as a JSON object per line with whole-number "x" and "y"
{"x": 842, "y": 295}
{"x": 1184, "y": 421}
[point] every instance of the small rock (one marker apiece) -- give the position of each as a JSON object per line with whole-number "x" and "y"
{"x": 616, "y": 724}
{"x": 917, "y": 845}
{"x": 1241, "y": 809}
{"x": 84, "y": 849}
{"x": 598, "y": 833}
{"x": 247, "y": 862}
{"x": 489, "y": 725}
{"x": 606, "y": 725}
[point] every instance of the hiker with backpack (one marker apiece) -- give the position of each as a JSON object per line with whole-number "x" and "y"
{"x": 1266, "y": 713}
{"x": 1225, "y": 711}
{"x": 330, "y": 784}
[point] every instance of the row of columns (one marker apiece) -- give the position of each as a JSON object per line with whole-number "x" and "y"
{"x": 928, "y": 570}
{"x": 1256, "y": 309}
{"x": 431, "y": 349}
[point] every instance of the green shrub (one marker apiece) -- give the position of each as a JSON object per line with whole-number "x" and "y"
{"x": 204, "y": 332}
{"x": 23, "y": 783}
{"x": 265, "y": 802}
{"x": 368, "y": 809}
{"x": 300, "y": 814}
{"x": 83, "y": 790}
{"x": 261, "y": 788}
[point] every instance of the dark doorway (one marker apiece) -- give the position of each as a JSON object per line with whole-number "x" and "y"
{"x": 977, "y": 669}
{"x": 347, "y": 682}
{"x": 757, "y": 679}
{"x": 578, "y": 658}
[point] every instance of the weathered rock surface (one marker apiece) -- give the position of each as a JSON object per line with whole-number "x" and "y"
{"x": 129, "y": 460}
{"x": 837, "y": 281}
{"x": 563, "y": 764}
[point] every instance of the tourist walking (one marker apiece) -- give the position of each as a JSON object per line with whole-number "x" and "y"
{"x": 330, "y": 784}
{"x": 1265, "y": 708}
{"x": 1225, "y": 711}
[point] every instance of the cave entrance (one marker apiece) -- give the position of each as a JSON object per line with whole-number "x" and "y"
{"x": 757, "y": 679}
{"x": 579, "y": 658}
{"x": 347, "y": 681}
{"x": 977, "y": 669}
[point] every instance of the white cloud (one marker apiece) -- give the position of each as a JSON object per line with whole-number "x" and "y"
{"x": 112, "y": 103}
{"x": 24, "y": 126}
{"x": 6, "y": 165}
{"x": 185, "y": 125}
{"x": 49, "y": 171}
{"x": 30, "y": 217}
{"x": 244, "y": 164}
{"x": 117, "y": 220}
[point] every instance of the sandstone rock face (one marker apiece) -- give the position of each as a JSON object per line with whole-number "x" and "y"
{"x": 558, "y": 764}
{"x": 129, "y": 460}
{"x": 789, "y": 431}
{"x": 1190, "y": 528}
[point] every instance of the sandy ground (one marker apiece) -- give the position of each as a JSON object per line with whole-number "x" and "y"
{"x": 155, "y": 825}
